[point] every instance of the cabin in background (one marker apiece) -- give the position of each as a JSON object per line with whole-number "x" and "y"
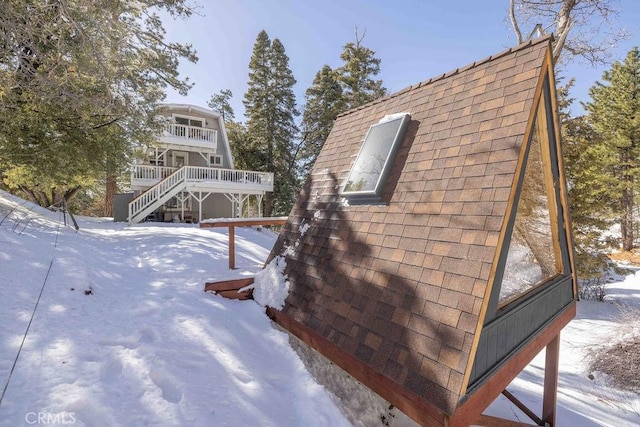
{"x": 189, "y": 175}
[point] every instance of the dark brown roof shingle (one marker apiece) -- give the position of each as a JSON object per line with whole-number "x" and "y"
{"x": 400, "y": 286}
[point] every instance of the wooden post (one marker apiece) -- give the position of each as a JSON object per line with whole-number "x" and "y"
{"x": 550, "y": 397}
{"x": 232, "y": 247}
{"x": 241, "y": 222}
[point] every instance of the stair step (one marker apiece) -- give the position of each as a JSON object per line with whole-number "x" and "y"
{"x": 229, "y": 288}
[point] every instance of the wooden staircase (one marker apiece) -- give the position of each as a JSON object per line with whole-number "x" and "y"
{"x": 156, "y": 196}
{"x": 230, "y": 288}
{"x": 197, "y": 178}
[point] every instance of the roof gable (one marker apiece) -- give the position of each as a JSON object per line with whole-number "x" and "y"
{"x": 400, "y": 286}
{"x": 205, "y": 112}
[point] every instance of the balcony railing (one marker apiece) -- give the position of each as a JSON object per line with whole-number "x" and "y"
{"x": 175, "y": 130}
{"x": 143, "y": 175}
{"x": 230, "y": 176}
{"x": 151, "y": 173}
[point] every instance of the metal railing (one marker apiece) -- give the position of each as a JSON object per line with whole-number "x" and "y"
{"x": 191, "y": 132}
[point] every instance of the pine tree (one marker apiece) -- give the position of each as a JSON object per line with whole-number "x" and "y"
{"x": 79, "y": 87}
{"x": 324, "y": 101}
{"x": 356, "y": 75}
{"x": 614, "y": 114}
{"x": 285, "y": 130}
{"x": 271, "y": 109}
{"x": 333, "y": 92}
{"x": 591, "y": 198}
{"x": 220, "y": 102}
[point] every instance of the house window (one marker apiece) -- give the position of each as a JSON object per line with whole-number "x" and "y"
{"x": 188, "y": 127}
{"x": 533, "y": 254}
{"x": 215, "y": 160}
{"x": 187, "y": 121}
{"x": 372, "y": 166}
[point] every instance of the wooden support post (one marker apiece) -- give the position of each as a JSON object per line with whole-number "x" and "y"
{"x": 482, "y": 397}
{"x": 550, "y": 397}
{"x": 241, "y": 222}
{"x": 232, "y": 247}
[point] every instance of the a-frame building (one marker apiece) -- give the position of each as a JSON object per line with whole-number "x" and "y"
{"x": 430, "y": 254}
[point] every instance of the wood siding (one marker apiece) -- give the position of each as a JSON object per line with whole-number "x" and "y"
{"x": 513, "y": 329}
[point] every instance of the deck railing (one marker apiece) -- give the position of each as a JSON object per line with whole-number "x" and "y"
{"x": 169, "y": 181}
{"x": 191, "y": 132}
{"x": 156, "y": 194}
{"x": 230, "y": 176}
{"x": 151, "y": 173}
{"x": 196, "y": 173}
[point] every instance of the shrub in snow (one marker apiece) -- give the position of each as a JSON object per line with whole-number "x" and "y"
{"x": 619, "y": 359}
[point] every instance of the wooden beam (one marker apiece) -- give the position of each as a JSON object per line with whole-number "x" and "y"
{"x": 234, "y": 294}
{"x": 232, "y": 247}
{"x": 246, "y": 222}
{"x": 485, "y": 394}
{"x": 489, "y": 421}
{"x": 528, "y": 412}
{"x": 241, "y": 222}
{"x": 550, "y": 397}
{"x": 229, "y": 288}
{"x": 227, "y": 285}
{"x": 418, "y": 409}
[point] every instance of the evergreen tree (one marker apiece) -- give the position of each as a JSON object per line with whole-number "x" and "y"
{"x": 270, "y": 109}
{"x": 324, "y": 101}
{"x": 591, "y": 198}
{"x": 614, "y": 114}
{"x": 335, "y": 91}
{"x": 220, "y": 102}
{"x": 356, "y": 75}
{"x": 79, "y": 86}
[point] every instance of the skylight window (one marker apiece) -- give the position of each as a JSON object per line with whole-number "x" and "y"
{"x": 373, "y": 164}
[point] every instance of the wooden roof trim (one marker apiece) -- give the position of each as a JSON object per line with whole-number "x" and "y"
{"x": 546, "y": 38}
{"x": 544, "y": 70}
{"x": 564, "y": 198}
{"x": 550, "y": 189}
{"x": 417, "y": 408}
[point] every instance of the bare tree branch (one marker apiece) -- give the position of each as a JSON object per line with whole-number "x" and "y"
{"x": 583, "y": 29}
{"x": 514, "y": 21}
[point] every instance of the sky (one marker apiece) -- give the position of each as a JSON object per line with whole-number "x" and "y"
{"x": 415, "y": 40}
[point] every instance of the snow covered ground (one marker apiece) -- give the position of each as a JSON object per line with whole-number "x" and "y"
{"x": 123, "y": 334}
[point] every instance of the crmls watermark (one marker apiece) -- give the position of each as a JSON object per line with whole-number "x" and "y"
{"x": 59, "y": 418}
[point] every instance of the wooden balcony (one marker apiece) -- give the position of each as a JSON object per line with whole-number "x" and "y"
{"x": 191, "y": 136}
{"x": 204, "y": 179}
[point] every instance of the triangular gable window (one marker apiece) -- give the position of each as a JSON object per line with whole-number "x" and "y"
{"x": 533, "y": 254}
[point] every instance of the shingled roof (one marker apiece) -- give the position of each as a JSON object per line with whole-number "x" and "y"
{"x": 400, "y": 288}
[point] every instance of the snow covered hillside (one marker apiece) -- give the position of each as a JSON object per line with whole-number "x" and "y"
{"x": 123, "y": 334}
